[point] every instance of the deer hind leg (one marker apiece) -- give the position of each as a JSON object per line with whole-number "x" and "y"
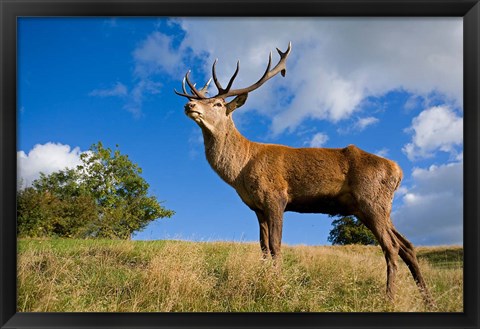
{"x": 407, "y": 253}
{"x": 264, "y": 240}
{"x": 380, "y": 227}
{"x": 390, "y": 249}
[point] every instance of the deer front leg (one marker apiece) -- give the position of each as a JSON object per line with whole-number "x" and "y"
{"x": 274, "y": 216}
{"x": 264, "y": 241}
{"x": 275, "y": 225}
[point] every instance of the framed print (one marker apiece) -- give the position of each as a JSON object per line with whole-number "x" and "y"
{"x": 225, "y": 164}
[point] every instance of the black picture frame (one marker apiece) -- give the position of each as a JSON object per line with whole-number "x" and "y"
{"x": 10, "y": 10}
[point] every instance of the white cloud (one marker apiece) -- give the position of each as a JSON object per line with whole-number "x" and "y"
{"x": 118, "y": 90}
{"x": 156, "y": 54}
{"x": 435, "y": 129}
{"x": 431, "y": 212}
{"x": 46, "y": 158}
{"x": 363, "y": 123}
{"x": 318, "y": 140}
{"x": 335, "y": 63}
{"x": 359, "y": 125}
{"x": 137, "y": 95}
{"x": 382, "y": 152}
{"x": 459, "y": 157}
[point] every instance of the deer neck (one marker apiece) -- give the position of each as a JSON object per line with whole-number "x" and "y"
{"x": 227, "y": 151}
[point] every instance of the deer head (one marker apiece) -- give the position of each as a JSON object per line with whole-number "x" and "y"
{"x": 211, "y": 112}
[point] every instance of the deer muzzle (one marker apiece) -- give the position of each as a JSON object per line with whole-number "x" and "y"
{"x": 192, "y": 111}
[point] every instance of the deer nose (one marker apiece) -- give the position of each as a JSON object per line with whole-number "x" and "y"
{"x": 189, "y": 106}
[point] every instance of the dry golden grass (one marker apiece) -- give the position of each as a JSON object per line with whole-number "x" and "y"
{"x": 174, "y": 276}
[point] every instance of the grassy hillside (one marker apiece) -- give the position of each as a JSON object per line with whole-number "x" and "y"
{"x": 172, "y": 276}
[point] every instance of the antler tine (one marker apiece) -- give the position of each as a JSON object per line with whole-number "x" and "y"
{"x": 233, "y": 77}
{"x": 268, "y": 68}
{"x": 279, "y": 68}
{"x": 215, "y": 79}
{"x": 221, "y": 90}
{"x": 185, "y": 93}
{"x": 284, "y": 55}
{"x": 205, "y": 88}
{"x": 191, "y": 90}
{"x": 192, "y": 87}
{"x": 183, "y": 86}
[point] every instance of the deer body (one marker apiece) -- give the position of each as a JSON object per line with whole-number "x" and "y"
{"x": 305, "y": 180}
{"x": 271, "y": 179}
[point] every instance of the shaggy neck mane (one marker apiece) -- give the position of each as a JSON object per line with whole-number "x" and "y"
{"x": 227, "y": 151}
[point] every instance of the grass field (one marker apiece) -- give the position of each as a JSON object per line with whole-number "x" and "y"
{"x": 65, "y": 275}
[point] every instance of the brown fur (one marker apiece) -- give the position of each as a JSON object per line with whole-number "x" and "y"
{"x": 272, "y": 179}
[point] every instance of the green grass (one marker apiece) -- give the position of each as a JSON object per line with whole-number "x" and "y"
{"x": 65, "y": 275}
{"x": 447, "y": 257}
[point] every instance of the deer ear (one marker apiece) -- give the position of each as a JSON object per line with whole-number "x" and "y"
{"x": 236, "y": 103}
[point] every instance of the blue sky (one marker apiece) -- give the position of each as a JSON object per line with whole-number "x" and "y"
{"x": 392, "y": 87}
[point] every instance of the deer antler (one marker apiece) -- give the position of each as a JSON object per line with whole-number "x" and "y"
{"x": 221, "y": 91}
{"x": 195, "y": 93}
{"x": 226, "y": 92}
{"x": 279, "y": 68}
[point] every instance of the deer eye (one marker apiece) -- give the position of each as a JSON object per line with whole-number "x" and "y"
{"x": 217, "y": 104}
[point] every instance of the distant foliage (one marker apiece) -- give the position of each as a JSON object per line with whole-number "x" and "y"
{"x": 104, "y": 197}
{"x": 349, "y": 230}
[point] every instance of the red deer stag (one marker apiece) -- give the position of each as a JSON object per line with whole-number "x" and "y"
{"x": 272, "y": 179}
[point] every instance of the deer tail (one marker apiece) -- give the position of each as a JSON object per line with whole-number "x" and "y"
{"x": 397, "y": 175}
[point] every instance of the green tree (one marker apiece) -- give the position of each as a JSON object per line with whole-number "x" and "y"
{"x": 32, "y": 218}
{"x": 42, "y": 213}
{"x": 104, "y": 197}
{"x": 349, "y": 230}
